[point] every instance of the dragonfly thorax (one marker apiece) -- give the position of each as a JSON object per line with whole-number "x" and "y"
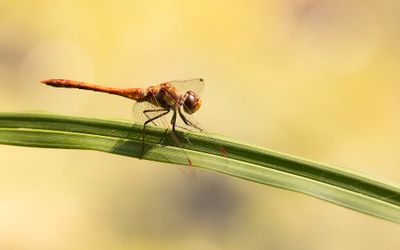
{"x": 166, "y": 96}
{"x": 163, "y": 96}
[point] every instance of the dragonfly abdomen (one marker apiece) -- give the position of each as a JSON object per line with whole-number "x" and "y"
{"x": 131, "y": 93}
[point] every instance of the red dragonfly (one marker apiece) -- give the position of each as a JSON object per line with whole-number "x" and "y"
{"x": 163, "y": 99}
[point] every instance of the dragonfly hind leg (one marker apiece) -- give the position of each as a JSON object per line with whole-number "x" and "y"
{"x": 151, "y": 120}
{"x": 152, "y": 110}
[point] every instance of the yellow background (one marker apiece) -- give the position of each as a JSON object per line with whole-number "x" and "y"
{"x": 317, "y": 79}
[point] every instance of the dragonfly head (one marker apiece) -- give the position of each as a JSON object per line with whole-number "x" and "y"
{"x": 191, "y": 102}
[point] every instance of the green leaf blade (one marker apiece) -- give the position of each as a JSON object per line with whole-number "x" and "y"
{"x": 340, "y": 186}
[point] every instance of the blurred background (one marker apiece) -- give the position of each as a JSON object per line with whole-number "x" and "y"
{"x": 314, "y": 78}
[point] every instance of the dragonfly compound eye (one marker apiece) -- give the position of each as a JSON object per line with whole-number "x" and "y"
{"x": 191, "y": 102}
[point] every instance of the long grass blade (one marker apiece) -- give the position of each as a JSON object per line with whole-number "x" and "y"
{"x": 344, "y": 187}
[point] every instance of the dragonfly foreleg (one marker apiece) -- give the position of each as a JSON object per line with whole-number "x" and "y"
{"x": 189, "y": 123}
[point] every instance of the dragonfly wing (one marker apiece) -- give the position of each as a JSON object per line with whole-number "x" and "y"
{"x": 196, "y": 85}
{"x": 162, "y": 122}
{"x": 144, "y": 111}
{"x": 192, "y": 125}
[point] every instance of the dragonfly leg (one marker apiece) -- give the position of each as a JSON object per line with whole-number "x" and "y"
{"x": 147, "y": 122}
{"x": 173, "y": 121}
{"x": 182, "y": 127}
{"x": 187, "y": 122}
{"x": 152, "y": 110}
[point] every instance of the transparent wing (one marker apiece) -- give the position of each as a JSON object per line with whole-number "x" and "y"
{"x": 163, "y": 122}
{"x": 192, "y": 125}
{"x": 184, "y": 121}
{"x": 188, "y": 122}
{"x": 140, "y": 116}
{"x": 196, "y": 85}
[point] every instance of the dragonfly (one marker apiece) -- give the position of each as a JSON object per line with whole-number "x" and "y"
{"x": 174, "y": 96}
